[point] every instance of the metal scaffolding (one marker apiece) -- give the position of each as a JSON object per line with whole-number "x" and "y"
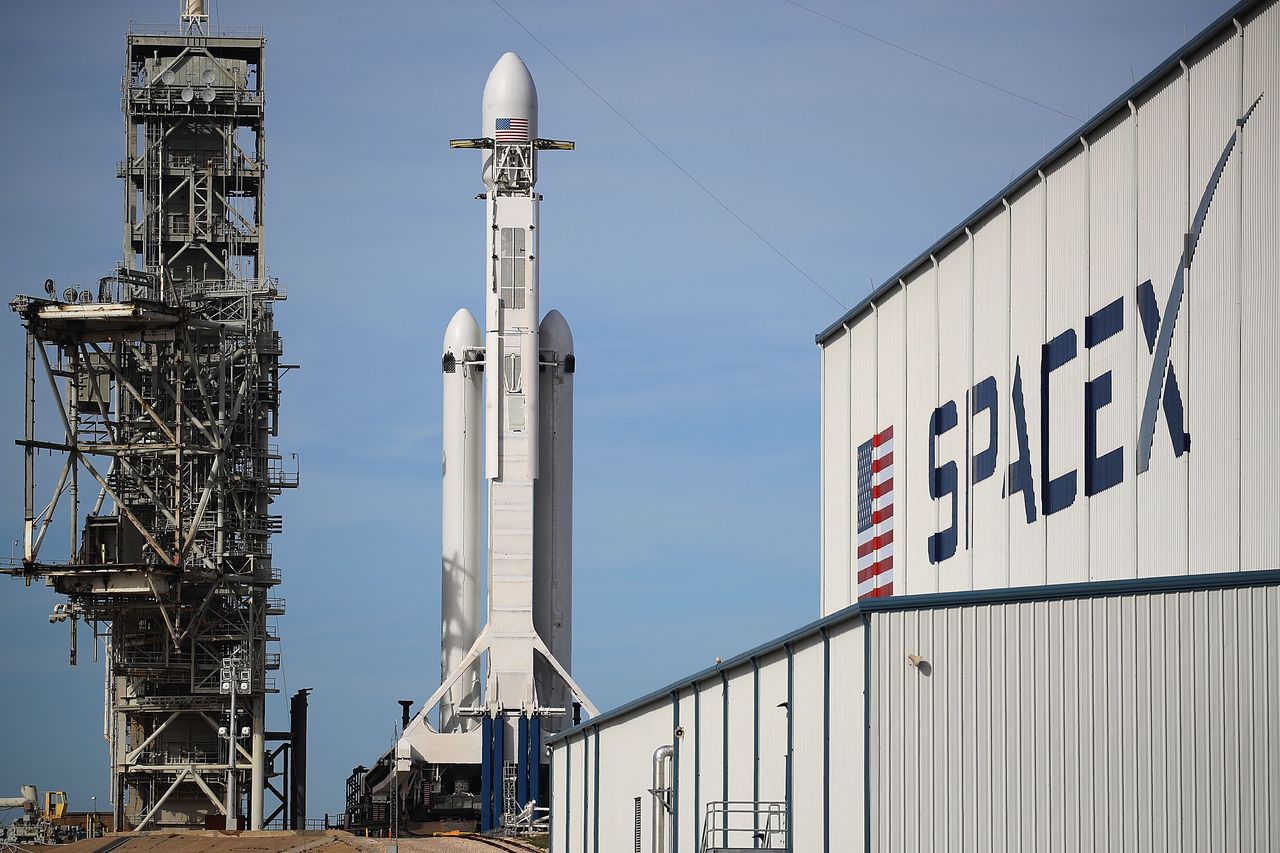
{"x": 164, "y": 384}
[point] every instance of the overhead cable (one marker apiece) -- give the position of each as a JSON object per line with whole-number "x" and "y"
{"x": 669, "y": 158}
{"x": 931, "y": 61}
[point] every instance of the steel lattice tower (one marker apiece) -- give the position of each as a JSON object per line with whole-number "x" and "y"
{"x": 165, "y": 381}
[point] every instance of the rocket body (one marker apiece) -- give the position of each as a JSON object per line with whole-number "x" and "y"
{"x": 508, "y": 439}
{"x": 527, "y": 388}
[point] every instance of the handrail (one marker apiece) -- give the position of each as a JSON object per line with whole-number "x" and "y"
{"x": 183, "y": 30}
{"x": 720, "y": 830}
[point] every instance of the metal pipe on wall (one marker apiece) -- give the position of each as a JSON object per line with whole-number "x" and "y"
{"x": 661, "y": 791}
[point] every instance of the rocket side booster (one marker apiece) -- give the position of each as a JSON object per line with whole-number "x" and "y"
{"x": 553, "y": 511}
{"x": 519, "y": 371}
{"x": 461, "y": 566}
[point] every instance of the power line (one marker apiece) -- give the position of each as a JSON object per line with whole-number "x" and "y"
{"x": 931, "y": 61}
{"x": 656, "y": 147}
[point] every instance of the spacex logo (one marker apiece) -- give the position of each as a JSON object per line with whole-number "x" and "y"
{"x": 1046, "y": 493}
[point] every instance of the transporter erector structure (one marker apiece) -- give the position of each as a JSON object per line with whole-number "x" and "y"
{"x": 505, "y": 682}
{"x": 151, "y": 413}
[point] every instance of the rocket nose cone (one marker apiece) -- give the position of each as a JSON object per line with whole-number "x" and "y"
{"x": 554, "y": 334}
{"x": 510, "y": 103}
{"x": 462, "y": 333}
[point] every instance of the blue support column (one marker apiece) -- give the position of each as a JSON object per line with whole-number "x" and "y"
{"x": 486, "y": 760}
{"x": 522, "y": 760}
{"x": 535, "y": 764}
{"x": 495, "y": 765}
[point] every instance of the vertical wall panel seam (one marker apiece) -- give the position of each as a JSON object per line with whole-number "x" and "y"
{"x": 866, "y": 733}
{"x": 823, "y": 447}
{"x": 1137, "y": 350}
{"x": 1088, "y": 352}
{"x": 936, "y": 570}
{"x": 1044, "y": 333}
{"x": 755, "y": 739}
{"x": 1008, "y": 350}
{"x": 826, "y": 741}
{"x": 595, "y": 785}
{"x": 675, "y": 772}
{"x": 568, "y": 796}
{"x": 724, "y": 693}
{"x": 850, "y": 480}
{"x": 900, "y": 564}
{"x": 697, "y": 764}
{"x": 1240, "y": 278}
{"x": 1189, "y": 423}
{"x": 968, "y": 424}
{"x": 790, "y": 744}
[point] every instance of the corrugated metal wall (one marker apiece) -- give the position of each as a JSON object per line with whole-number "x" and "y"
{"x": 815, "y": 684}
{"x": 1057, "y": 297}
{"x": 1116, "y": 723}
{"x": 1103, "y": 717}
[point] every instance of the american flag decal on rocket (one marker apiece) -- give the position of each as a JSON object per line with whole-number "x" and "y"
{"x": 511, "y": 130}
{"x": 875, "y": 516}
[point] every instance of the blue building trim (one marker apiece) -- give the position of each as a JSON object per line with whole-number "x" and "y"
{"x": 934, "y": 601}
{"x": 586, "y": 794}
{"x": 724, "y": 747}
{"x": 826, "y": 739}
{"x": 675, "y": 771}
{"x": 595, "y": 788}
{"x": 1031, "y": 175}
{"x": 697, "y": 765}
{"x": 866, "y": 733}
{"x": 755, "y": 741}
{"x": 568, "y": 791}
{"x": 791, "y": 692}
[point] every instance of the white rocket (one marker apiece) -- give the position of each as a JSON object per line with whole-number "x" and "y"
{"x": 523, "y": 372}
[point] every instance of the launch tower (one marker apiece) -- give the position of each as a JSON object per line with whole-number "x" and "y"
{"x": 163, "y": 386}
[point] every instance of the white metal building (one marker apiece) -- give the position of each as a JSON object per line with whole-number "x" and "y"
{"x": 1117, "y": 715}
{"x": 1051, "y": 549}
{"x": 1079, "y": 379}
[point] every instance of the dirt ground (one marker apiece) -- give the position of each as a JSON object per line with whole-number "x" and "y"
{"x": 328, "y": 841}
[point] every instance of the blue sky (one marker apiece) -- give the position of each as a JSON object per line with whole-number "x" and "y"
{"x": 696, "y": 482}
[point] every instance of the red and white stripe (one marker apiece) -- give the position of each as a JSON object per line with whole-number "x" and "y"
{"x": 875, "y": 544}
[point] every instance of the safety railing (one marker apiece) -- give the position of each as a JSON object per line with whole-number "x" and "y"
{"x": 136, "y": 29}
{"x": 736, "y": 825}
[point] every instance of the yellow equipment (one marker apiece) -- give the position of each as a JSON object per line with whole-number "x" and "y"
{"x": 55, "y": 805}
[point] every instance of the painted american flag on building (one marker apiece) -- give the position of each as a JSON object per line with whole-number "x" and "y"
{"x": 511, "y": 130}
{"x": 875, "y": 516}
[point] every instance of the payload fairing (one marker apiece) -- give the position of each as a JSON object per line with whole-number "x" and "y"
{"x": 520, "y": 373}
